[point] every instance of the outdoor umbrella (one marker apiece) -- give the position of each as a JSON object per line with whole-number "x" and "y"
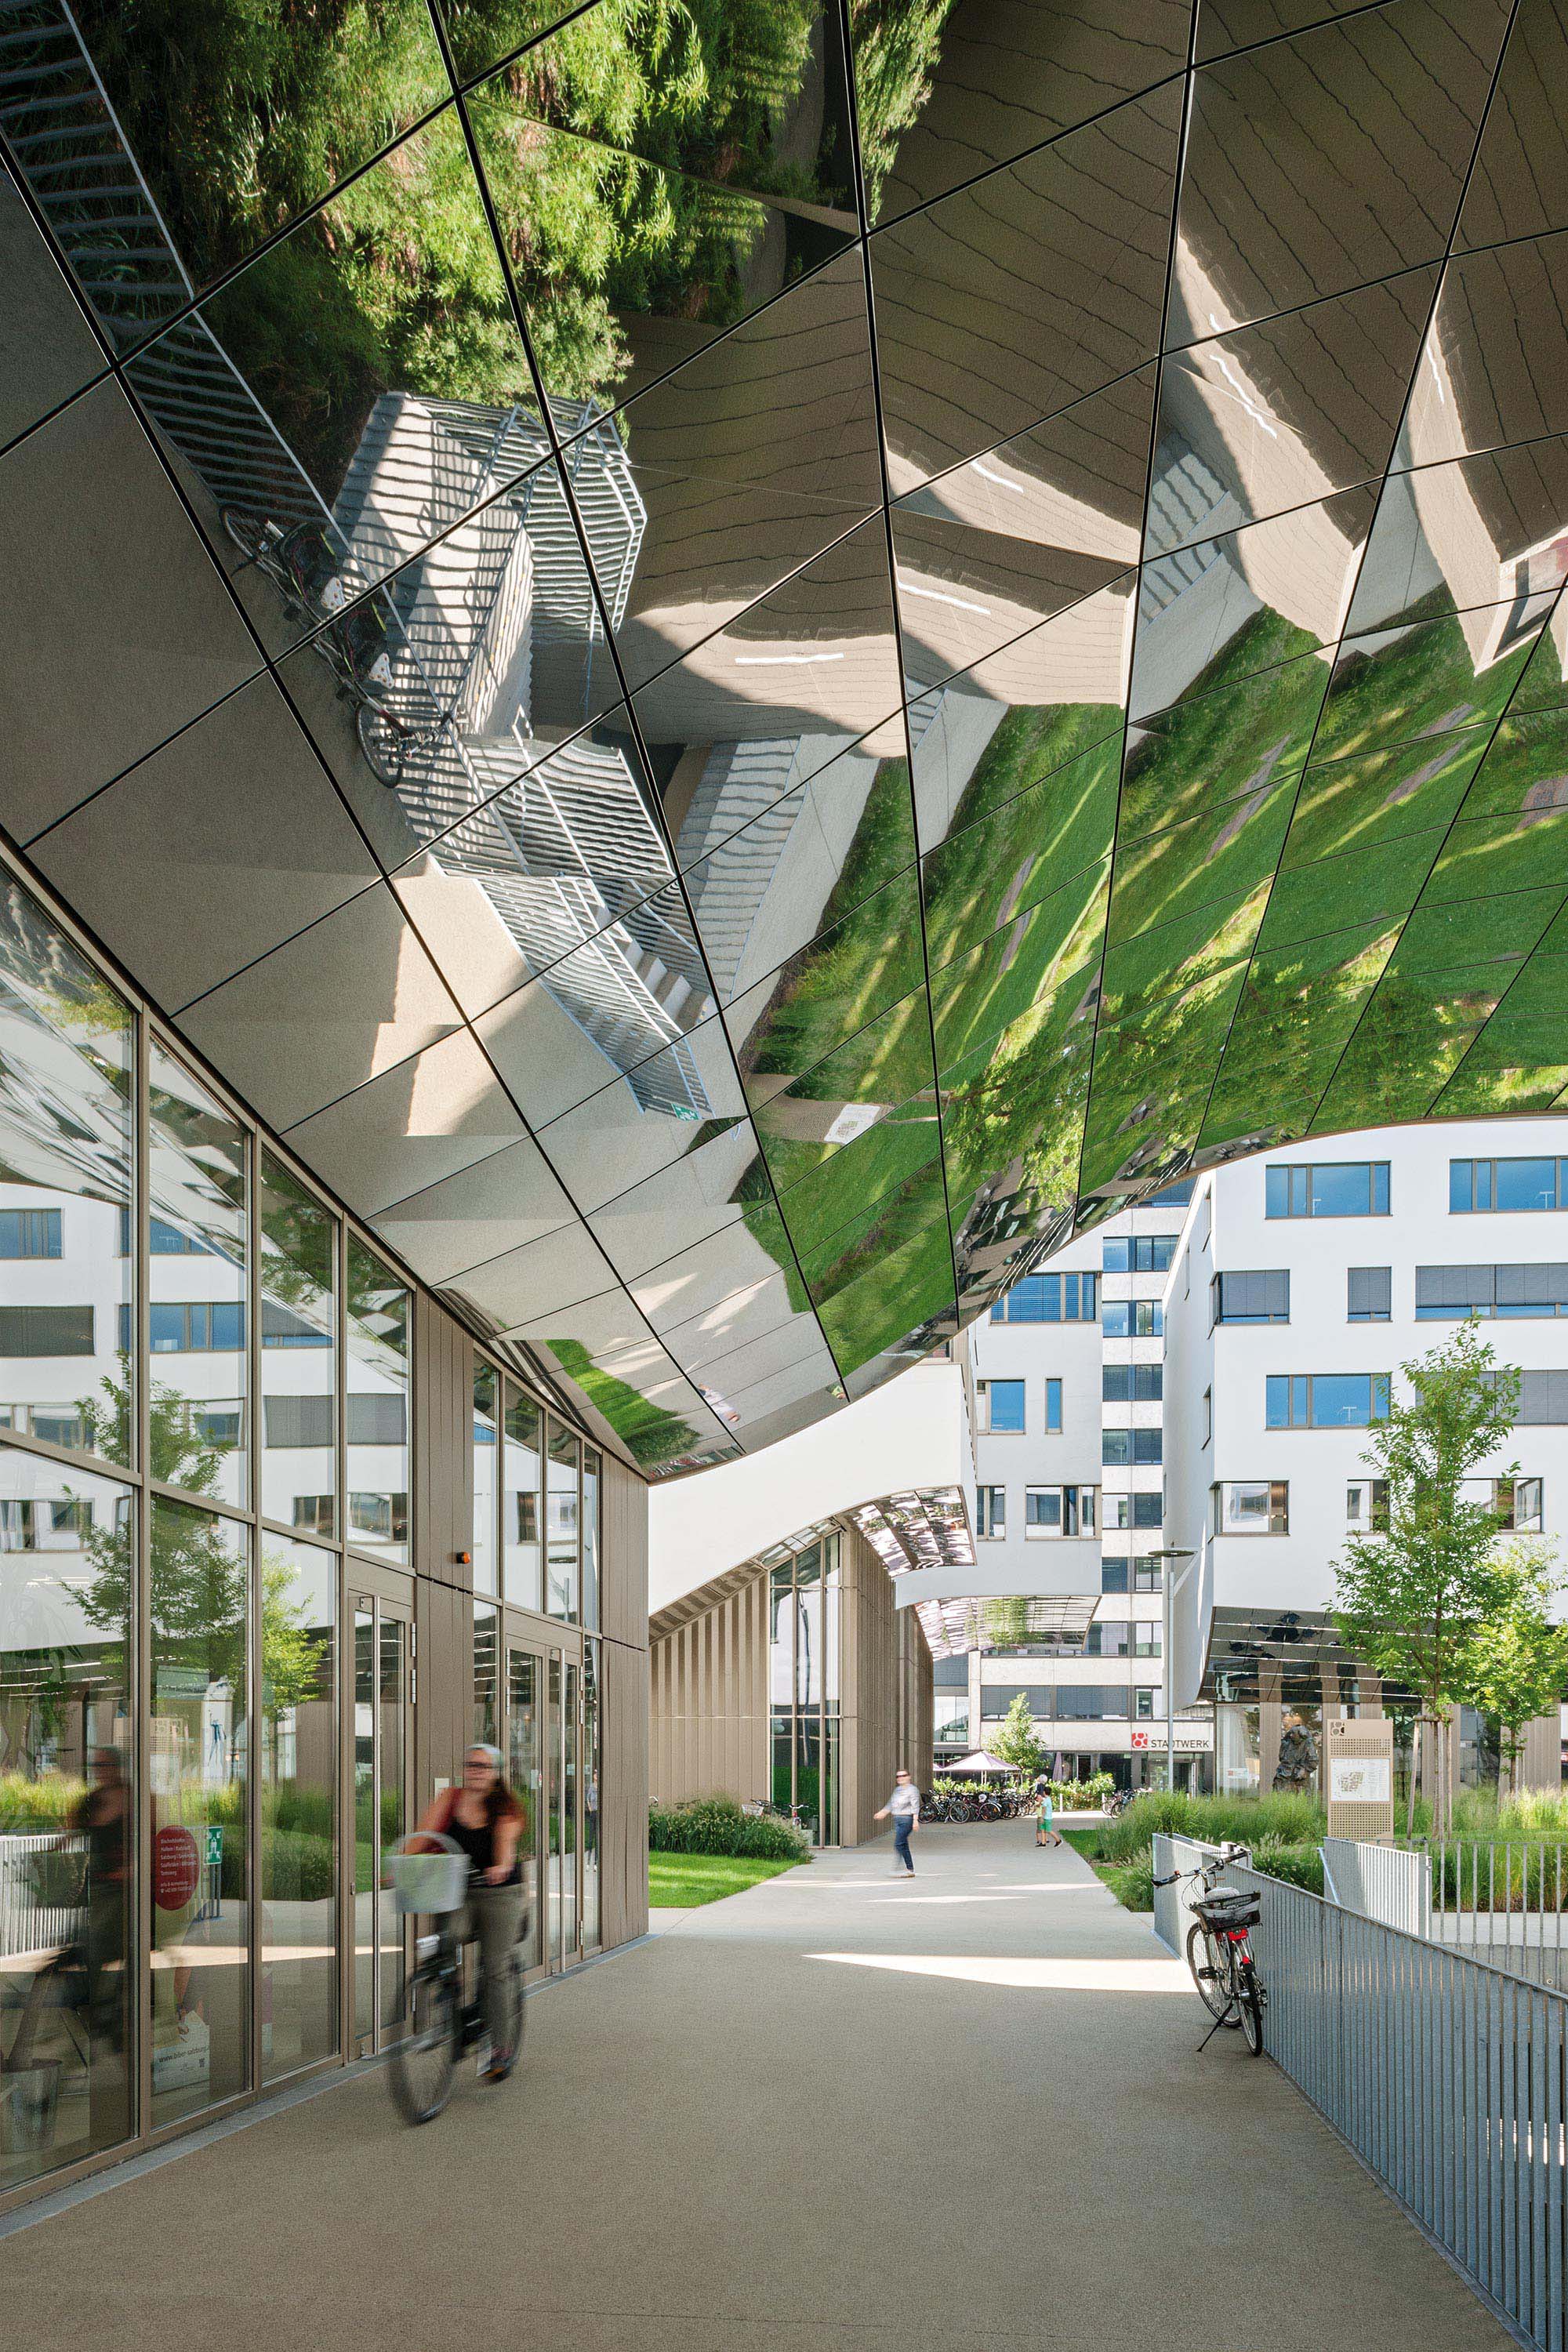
{"x": 978, "y": 1763}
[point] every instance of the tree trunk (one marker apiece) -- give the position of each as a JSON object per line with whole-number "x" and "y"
{"x": 1410, "y": 1781}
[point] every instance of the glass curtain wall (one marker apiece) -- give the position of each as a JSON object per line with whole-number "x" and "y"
{"x": 805, "y": 1601}
{"x": 162, "y": 1273}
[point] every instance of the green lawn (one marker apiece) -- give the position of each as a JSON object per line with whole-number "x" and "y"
{"x": 680, "y": 1882}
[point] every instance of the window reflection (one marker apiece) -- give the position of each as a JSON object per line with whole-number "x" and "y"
{"x": 562, "y": 1522}
{"x": 378, "y": 1387}
{"x": 67, "y": 1816}
{"x": 485, "y": 1447}
{"x": 298, "y": 1244}
{"x": 65, "y": 1063}
{"x": 299, "y": 1805}
{"x": 199, "y": 1875}
{"x": 520, "y": 1503}
{"x": 198, "y": 1281}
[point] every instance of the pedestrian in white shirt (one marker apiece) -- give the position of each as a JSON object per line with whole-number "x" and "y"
{"x": 904, "y": 1805}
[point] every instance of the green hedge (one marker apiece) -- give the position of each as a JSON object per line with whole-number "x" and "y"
{"x": 1288, "y": 1821}
{"x": 719, "y": 1825}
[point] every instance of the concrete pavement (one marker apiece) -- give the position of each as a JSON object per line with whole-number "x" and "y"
{"x": 838, "y": 2113}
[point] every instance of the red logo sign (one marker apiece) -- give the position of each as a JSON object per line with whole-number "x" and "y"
{"x": 1139, "y": 1739}
{"x": 175, "y": 1868}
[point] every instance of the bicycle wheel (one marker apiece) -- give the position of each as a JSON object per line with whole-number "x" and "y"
{"x": 1208, "y": 1956}
{"x": 1249, "y": 2002}
{"x": 510, "y": 2049}
{"x": 422, "y": 2065}
{"x": 384, "y": 743}
{"x": 248, "y": 530}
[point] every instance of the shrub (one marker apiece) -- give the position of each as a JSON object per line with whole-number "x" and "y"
{"x": 1289, "y": 1820}
{"x": 719, "y": 1825}
{"x": 296, "y": 1867}
{"x": 1132, "y": 1882}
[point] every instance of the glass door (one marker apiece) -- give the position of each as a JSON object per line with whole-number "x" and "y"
{"x": 383, "y": 1673}
{"x": 555, "y": 1817}
{"x": 525, "y": 1775}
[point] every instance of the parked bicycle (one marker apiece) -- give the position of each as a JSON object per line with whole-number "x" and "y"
{"x": 1114, "y": 1802}
{"x": 350, "y": 631}
{"x": 440, "y": 2024}
{"x": 1219, "y": 1949}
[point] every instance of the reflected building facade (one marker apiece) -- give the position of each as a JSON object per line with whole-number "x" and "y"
{"x": 859, "y": 677}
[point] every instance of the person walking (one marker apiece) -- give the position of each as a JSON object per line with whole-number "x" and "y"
{"x": 904, "y": 1805}
{"x": 1046, "y": 1830}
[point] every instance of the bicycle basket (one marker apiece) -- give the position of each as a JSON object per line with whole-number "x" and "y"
{"x": 1229, "y": 1908}
{"x": 429, "y": 1883}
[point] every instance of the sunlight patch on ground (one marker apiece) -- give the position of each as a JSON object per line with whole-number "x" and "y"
{"x": 1039, "y": 1975}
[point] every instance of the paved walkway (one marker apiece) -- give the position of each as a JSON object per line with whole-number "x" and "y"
{"x": 837, "y": 2114}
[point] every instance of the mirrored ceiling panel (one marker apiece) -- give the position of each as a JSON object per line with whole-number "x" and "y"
{"x": 742, "y": 755}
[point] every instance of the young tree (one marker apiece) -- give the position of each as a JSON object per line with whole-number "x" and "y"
{"x": 1518, "y": 1666}
{"x": 1411, "y": 1596}
{"x": 1016, "y": 1742}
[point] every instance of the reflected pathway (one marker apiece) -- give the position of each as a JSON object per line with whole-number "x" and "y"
{"x": 795, "y": 2121}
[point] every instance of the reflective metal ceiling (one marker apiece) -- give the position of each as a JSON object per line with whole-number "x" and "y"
{"x": 744, "y": 663}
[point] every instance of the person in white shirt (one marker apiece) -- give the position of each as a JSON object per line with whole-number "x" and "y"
{"x": 904, "y": 1805}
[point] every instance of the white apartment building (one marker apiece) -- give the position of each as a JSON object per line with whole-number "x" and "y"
{"x": 1067, "y": 1381}
{"x": 1198, "y": 1379}
{"x": 1302, "y": 1281}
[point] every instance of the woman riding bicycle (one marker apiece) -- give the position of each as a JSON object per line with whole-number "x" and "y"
{"x": 488, "y": 1822}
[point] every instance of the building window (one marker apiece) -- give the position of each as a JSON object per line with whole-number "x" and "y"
{"x": 1145, "y": 1641}
{"x": 1327, "y": 1188}
{"x": 1368, "y": 1294}
{"x": 1507, "y": 1186}
{"x": 1113, "y": 1575}
{"x": 1172, "y": 1196}
{"x": 313, "y": 1513}
{"x": 1250, "y": 1506}
{"x": 1325, "y": 1399}
{"x": 1049, "y": 1299}
{"x": 380, "y": 1519}
{"x": 1526, "y": 1506}
{"x": 1000, "y": 1407}
{"x": 1448, "y": 1294}
{"x": 201, "y": 1327}
{"x": 991, "y": 1510}
{"x": 1122, "y": 1448}
{"x": 1542, "y": 1398}
{"x": 1124, "y": 1511}
{"x": 1132, "y": 1318}
{"x": 1208, "y": 1416}
{"x": 1059, "y": 1511}
{"x": 1137, "y": 1253}
{"x": 1250, "y": 1298}
{"x": 1148, "y": 1576}
{"x": 1053, "y": 1408}
{"x": 1143, "y": 1704}
{"x": 46, "y": 1331}
{"x": 1366, "y": 1505}
{"x": 1133, "y": 1383}
{"x": 30, "y": 1233}
{"x": 298, "y": 1420}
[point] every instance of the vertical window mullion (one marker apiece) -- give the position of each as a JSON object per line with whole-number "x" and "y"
{"x": 254, "y": 1695}
{"x": 140, "y": 1634}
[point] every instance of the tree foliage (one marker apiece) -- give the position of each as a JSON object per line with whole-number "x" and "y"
{"x": 1017, "y": 1743}
{"x": 1517, "y": 1666}
{"x": 1411, "y": 1597}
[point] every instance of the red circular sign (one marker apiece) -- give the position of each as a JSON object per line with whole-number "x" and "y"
{"x": 175, "y": 1868}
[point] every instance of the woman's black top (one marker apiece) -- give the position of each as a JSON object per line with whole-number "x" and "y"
{"x": 479, "y": 1845}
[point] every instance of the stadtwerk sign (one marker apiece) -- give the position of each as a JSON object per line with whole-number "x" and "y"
{"x": 813, "y": 801}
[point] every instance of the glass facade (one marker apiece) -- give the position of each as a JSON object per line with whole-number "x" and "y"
{"x": 205, "y": 1473}
{"x": 805, "y": 1600}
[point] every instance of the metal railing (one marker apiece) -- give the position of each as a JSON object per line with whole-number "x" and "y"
{"x": 26, "y": 1924}
{"x": 1173, "y": 1905}
{"x": 1502, "y": 1901}
{"x": 1445, "y": 2074}
{"x": 1382, "y": 1882}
